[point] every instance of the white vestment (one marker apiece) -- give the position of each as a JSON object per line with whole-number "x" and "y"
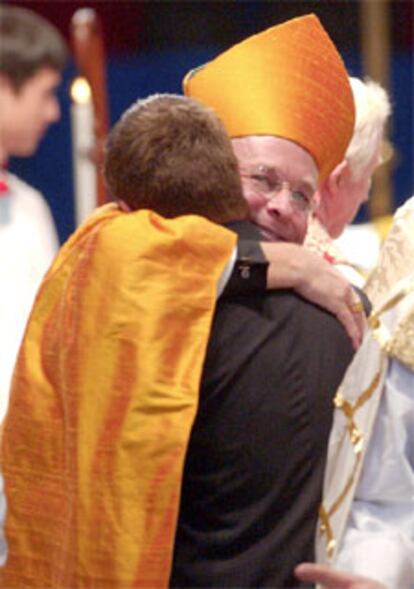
{"x": 28, "y": 243}
{"x": 367, "y": 516}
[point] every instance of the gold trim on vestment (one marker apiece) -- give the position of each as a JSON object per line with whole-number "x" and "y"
{"x": 357, "y": 440}
{"x": 399, "y": 344}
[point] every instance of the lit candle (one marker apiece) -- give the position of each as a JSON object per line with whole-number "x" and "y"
{"x": 83, "y": 142}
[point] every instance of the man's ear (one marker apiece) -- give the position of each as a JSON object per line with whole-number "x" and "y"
{"x": 330, "y": 192}
{"x": 337, "y": 178}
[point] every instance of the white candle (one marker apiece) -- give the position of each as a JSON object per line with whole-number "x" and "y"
{"x": 83, "y": 142}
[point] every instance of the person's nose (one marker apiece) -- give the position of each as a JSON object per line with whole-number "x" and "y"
{"x": 281, "y": 203}
{"x": 53, "y": 113}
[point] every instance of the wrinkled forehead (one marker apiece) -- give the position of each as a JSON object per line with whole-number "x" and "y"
{"x": 287, "y": 157}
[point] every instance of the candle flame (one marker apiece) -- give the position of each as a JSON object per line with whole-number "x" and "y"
{"x": 80, "y": 91}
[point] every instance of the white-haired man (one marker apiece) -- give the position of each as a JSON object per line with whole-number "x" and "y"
{"x": 347, "y": 187}
{"x": 367, "y": 516}
{"x": 367, "y": 523}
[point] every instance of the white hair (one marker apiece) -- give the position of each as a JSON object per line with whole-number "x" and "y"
{"x": 372, "y": 109}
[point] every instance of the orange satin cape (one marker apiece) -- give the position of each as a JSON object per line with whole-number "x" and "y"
{"x": 103, "y": 399}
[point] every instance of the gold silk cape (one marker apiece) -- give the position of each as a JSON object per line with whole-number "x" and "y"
{"x": 103, "y": 399}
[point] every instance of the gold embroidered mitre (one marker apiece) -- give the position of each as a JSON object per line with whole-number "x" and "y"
{"x": 289, "y": 81}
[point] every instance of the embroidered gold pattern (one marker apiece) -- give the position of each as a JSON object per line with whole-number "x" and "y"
{"x": 357, "y": 439}
{"x": 325, "y": 528}
{"x": 397, "y": 256}
{"x": 400, "y": 345}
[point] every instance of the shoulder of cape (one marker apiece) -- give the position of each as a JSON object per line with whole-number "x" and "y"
{"x": 393, "y": 322}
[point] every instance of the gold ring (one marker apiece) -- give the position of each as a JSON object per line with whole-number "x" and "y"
{"x": 357, "y": 307}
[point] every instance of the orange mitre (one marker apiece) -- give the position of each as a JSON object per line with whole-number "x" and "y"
{"x": 289, "y": 81}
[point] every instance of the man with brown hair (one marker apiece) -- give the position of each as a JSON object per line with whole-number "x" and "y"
{"x": 148, "y": 163}
{"x": 111, "y": 362}
{"x": 108, "y": 372}
{"x": 32, "y": 56}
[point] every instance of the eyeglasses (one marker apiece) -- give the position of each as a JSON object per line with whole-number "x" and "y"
{"x": 267, "y": 182}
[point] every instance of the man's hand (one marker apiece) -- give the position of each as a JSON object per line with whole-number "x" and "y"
{"x": 331, "y": 579}
{"x": 293, "y": 266}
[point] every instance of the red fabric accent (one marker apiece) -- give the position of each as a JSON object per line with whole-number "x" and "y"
{"x": 4, "y": 188}
{"x": 329, "y": 258}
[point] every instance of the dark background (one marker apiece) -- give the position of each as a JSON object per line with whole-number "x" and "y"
{"x": 151, "y": 45}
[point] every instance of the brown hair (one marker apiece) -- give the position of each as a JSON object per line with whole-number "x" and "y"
{"x": 170, "y": 154}
{"x": 28, "y": 43}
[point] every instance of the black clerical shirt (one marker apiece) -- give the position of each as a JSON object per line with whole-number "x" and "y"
{"x": 254, "y": 467}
